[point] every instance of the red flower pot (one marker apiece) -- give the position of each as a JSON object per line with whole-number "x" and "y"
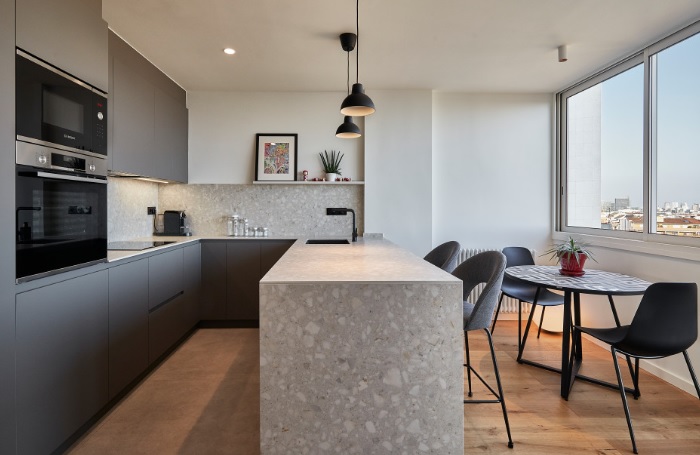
{"x": 572, "y": 267}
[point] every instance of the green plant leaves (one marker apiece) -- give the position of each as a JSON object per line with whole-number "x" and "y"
{"x": 331, "y": 162}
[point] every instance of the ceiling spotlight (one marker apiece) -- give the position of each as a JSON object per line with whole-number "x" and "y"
{"x": 562, "y": 53}
{"x": 229, "y": 51}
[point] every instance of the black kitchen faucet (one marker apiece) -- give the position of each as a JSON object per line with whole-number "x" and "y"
{"x": 339, "y": 211}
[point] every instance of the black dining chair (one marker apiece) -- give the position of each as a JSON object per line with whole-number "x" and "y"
{"x": 444, "y": 256}
{"x": 666, "y": 323}
{"x": 524, "y": 292}
{"x": 484, "y": 268}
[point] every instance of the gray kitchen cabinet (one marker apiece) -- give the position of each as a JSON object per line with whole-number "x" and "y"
{"x": 166, "y": 275}
{"x": 213, "y": 295}
{"x": 132, "y": 105}
{"x": 165, "y": 327}
{"x": 193, "y": 284}
{"x": 61, "y": 360}
{"x": 147, "y": 125}
{"x": 247, "y": 262}
{"x": 128, "y": 324}
{"x": 166, "y": 301}
{"x": 242, "y": 279}
{"x": 171, "y": 136}
{"x": 270, "y": 252}
{"x": 69, "y": 34}
{"x": 7, "y": 224}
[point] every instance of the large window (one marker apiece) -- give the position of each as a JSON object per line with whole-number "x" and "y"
{"x": 630, "y": 145}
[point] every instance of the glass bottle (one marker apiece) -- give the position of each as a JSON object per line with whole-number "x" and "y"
{"x": 246, "y": 228}
{"x": 236, "y": 225}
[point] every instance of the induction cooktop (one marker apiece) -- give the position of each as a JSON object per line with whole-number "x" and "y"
{"x": 135, "y": 245}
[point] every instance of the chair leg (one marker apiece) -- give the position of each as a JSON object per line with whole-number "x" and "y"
{"x": 624, "y": 398}
{"x": 468, "y": 364}
{"x": 498, "y": 309}
{"x": 692, "y": 372}
{"x": 527, "y": 330}
{"x": 539, "y": 329}
{"x": 500, "y": 389}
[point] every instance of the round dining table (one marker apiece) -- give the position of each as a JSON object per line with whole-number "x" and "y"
{"x": 592, "y": 282}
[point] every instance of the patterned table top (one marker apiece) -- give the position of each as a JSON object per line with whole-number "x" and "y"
{"x": 593, "y": 282}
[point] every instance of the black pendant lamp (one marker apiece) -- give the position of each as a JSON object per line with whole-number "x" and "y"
{"x": 348, "y": 129}
{"x": 357, "y": 104}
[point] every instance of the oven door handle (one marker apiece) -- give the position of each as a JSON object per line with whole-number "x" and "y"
{"x": 74, "y": 178}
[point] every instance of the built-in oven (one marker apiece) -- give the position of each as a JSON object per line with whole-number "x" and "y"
{"x": 60, "y": 212}
{"x": 57, "y": 110}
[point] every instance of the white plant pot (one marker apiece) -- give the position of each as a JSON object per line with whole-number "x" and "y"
{"x": 330, "y": 177}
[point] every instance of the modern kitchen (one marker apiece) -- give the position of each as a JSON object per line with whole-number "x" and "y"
{"x": 184, "y": 195}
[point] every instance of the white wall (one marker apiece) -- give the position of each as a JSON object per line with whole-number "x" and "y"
{"x": 398, "y": 159}
{"x": 492, "y": 169}
{"x": 223, "y": 125}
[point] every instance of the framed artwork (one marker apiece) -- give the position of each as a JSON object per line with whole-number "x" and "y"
{"x": 276, "y": 157}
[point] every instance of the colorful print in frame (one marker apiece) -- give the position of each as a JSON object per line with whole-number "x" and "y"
{"x": 276, "y": 157}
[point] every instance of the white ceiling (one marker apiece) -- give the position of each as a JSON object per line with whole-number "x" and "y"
{"x": 449, "y": 45}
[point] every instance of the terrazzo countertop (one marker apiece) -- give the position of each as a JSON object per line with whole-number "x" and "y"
{"x": 367, "y": 260}
{"x": 117, "y": 255}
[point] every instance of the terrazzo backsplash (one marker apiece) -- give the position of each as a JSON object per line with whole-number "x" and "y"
{"x": 127, "y": 200}
{"x": 286, "y": 210}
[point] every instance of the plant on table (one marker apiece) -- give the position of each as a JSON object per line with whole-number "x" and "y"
{"x": 572, "y": 255}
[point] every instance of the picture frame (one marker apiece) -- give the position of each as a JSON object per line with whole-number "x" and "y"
{"x": 276, "y": 157}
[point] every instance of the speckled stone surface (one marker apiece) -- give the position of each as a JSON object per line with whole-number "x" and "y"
{"x": 360, "y": 365}
{"x": 287, "y": 210}
{"x": 127, "y": 200}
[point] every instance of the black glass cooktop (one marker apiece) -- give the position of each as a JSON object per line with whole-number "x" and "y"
{"x": 135, "y": 245}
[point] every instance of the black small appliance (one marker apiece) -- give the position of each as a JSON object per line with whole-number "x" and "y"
{"x": 174, "y": 223}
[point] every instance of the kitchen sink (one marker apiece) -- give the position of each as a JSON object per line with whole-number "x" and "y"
{"x": 327, "y": 242}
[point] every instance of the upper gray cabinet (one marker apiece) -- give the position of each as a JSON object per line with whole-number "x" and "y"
{"x": 69, "y": 34}
{"x": 148, "y": 117}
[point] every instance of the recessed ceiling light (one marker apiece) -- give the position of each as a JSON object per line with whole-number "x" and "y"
{"x": 229, "y": 51}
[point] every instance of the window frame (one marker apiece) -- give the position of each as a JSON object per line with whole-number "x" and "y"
{"x": 646, "y": 57}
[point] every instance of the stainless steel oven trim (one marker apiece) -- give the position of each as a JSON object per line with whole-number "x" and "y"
{"x": 28, "y": 154}
{"x": 59, "y": 147}
{"x": 74, "y": 178}
{"x": 24, "y": 279}
{"x": 61, "y": 73}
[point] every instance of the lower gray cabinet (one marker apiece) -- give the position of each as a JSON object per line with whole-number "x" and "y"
{"x": 213, "y": 295}
{"x": 165, "y": 327}
{"x": 128, "y": 324}
{"x": 247, "y": 261}
{"x": 242, "y": 280}
{"x": 61, "y": 360}
{"x": 166, "y": 301}
{"x": 193, "y": 285}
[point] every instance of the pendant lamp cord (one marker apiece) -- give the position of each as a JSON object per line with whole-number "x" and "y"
{"x": 348, "y": 72}
{"x": 357, "y": 50}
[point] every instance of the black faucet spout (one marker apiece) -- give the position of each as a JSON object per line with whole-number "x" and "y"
{"x": 343, "y": 211}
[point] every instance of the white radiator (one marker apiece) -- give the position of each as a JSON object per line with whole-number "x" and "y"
{"x": 508, "y": 305}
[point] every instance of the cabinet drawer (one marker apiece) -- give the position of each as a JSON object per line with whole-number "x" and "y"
{"x": 165, "y": 277}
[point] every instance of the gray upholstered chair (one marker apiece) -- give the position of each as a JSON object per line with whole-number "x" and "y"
{"x": 484, "y": 268}
{"x": 444, "y": 256}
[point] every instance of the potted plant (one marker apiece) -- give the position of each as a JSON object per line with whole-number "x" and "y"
{"x": 572, "y": 256}
{"x": 331, "y": 164}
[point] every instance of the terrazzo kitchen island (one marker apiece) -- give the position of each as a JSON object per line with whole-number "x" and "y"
{"x": 361, "y": 351}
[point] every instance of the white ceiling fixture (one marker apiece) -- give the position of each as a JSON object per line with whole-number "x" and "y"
{"x": 445, "y": 45}
{"x": 229, "y": 51}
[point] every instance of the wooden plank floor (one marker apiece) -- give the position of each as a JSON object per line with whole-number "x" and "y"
{"x": 204, "y": 400}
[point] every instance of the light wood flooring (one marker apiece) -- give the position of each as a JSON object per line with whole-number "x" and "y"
{"x": 204, "y": 400}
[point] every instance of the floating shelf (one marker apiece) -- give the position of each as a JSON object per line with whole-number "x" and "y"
{"x": 354, "y": 182}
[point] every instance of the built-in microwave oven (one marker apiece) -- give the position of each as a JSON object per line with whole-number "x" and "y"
{"x": 57, "y": 110}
